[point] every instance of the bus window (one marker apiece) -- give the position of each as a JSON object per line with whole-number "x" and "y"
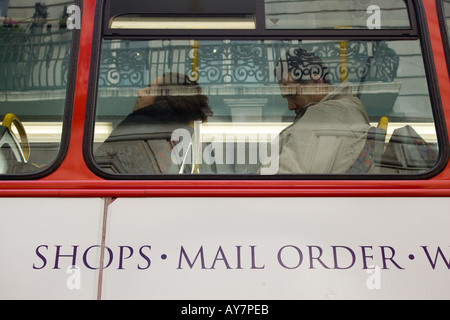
{"x": 261, "y": 106}
{"x": 35, "y": 47}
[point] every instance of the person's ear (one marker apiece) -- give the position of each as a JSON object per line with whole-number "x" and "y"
{"x": 317, "y": 81}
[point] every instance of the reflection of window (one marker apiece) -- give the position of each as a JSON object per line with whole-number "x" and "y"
{"x": 446, "y": 4}
{"x": 35, "y": 49}
{"x": 330, "y": 14}
{"x": 250, "y": 104}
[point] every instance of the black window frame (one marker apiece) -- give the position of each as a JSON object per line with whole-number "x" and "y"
{"x": 418, "y": 31}
{"x": 67, "y": 113}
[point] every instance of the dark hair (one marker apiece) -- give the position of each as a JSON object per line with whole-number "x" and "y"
{"x": 184, "y": 96}
{"x": 302, "y": 66}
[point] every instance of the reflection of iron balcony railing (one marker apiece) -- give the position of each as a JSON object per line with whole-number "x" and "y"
{"x": 40, "y": 61}
{"x": 34, "y": 61}
{"x": 125, "y": 65}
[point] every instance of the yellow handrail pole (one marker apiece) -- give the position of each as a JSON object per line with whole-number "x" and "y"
{"x": 195, "y": 45}
{"x": 196, "y": 147}
{"x": 195, "y": 75}
{"x": 343, "y": 46}
{"x": 343, "y": 49}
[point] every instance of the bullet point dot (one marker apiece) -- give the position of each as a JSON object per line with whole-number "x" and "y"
{"x": 164, "y": 256}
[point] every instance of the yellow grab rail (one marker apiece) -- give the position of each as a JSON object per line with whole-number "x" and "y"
{"x": 8, "y": 121}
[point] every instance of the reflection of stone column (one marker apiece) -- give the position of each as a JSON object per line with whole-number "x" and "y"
{"x": 63, "y": 19}
{"x": 39, "y": 17}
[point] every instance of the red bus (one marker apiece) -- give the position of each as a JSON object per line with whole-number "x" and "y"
{"x": 252, "y": 149}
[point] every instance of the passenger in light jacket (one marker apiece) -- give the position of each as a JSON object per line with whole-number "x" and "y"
{"x": 330, "y": 129}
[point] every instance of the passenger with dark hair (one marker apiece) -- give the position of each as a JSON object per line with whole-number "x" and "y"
{"x": 331, "y": 124}
{"x": 142, "y": 143}
{"x": 178, "y": 93}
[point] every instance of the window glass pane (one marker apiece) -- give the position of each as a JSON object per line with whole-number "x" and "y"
{"x": 447, "y": 14}
{"x": 34, "y": 64}
{"x": 263, "y": 108}
{"x": 330, "y": 14}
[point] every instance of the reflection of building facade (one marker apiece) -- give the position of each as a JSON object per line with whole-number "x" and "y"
{"x": 34, "y": 58}
{"x": 34, "y": 50}
{"x": 41, "y": 13}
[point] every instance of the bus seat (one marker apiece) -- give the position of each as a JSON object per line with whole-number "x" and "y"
{"x": 407, "y": 152}
{"x": 137, "y": 156}
{"x": 9, "y": 151}
{"x": 12, "y": 159}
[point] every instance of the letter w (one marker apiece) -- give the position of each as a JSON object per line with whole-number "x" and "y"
{"x": 439, "y": 252}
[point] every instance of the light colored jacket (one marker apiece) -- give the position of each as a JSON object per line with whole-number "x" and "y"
{"x": 328, "y": 138}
